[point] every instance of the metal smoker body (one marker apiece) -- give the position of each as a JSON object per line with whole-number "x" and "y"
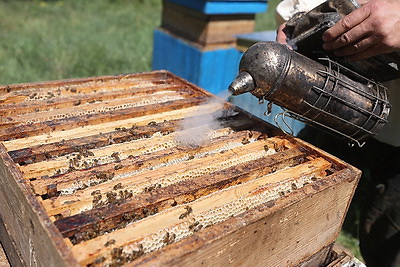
{"x": 317, "y": 94}
{"x": 315, "y": 86}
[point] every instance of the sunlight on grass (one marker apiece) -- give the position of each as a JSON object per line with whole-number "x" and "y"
{"x": 69, "y": 39}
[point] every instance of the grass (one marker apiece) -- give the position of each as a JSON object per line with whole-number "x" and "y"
{"x": 68, "y": 39}
{"x": 266, "y": 21}
{"x": 49, "y": 40}
{"x": 348, "y": 241}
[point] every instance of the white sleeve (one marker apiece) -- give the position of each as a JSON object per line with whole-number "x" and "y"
{"x": 287, "y": 8}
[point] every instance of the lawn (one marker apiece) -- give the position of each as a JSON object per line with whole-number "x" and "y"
{"x": 50, "y": 40}
{"x": 67, "y": 39}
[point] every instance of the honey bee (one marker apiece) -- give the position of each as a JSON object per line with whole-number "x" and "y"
{"x": 266, "y": 148}
{"x": 245, "y": 141}
{"x": 169, "y": 238}
{"x": 109, "y": 243}
{"x": 188, "y": 211}
{"x": 118, "y": 186}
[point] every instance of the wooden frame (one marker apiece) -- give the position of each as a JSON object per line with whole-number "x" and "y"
{"x": 245, "y": 196}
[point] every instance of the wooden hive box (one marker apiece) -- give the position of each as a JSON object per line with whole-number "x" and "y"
{"x": 129, "y": 170}
{"x": 206, "y": 30}
{"x": 214, "y": 7}
{"x": 212, "y": 69}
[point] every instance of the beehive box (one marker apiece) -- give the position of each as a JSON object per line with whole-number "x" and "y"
{"x": 148, "y": 169}
{"x": 206, "y": 30}
{"x": 214, "y": 7}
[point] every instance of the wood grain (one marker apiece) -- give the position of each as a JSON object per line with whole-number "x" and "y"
{"x": 98, "y": 171}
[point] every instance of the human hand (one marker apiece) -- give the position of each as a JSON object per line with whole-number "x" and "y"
{"x": 370, "y": 30}
{"x": 280, "y": 35}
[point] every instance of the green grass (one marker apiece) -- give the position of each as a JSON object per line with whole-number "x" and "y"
{"x": 348, "y": 241}
{"x": 68, "y": 39}
{"x": 266, "y": 21}
{"x": 49, "y": 40}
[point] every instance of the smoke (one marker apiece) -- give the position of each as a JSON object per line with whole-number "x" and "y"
{"x": 196, "y": 128}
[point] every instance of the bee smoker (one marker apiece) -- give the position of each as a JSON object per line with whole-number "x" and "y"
{"x": 317, "y": 94}
{"x": 315, "y": 87}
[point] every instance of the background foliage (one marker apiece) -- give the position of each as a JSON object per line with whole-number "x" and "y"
{"x": 68, "y": 39}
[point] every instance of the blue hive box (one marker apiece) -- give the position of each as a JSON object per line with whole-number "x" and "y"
{"x": 225, "y": 7}
{"x": 212, "y": 70}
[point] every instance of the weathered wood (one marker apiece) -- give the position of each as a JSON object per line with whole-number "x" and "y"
{"x": 130, "y": 164}
{"x": 119, "y": 135}
{"x": 69, "y": 123}
{"x": 340, "y": 257}
{"x": 152, "y": 196}
{"x": 205, "y": 29}
{"x": 9, "y": 245}
{"x": 29, "y": 128}
{"x": 320, "y": 258}
{"x": 88, "y": 251}
{"x": 159, "y": 199}
{"x": 89, "y": 108}
{"x": 85, "y": 131}
{"x": 103, "y": 155}
{"x": 14, "y": 105}
{"x": 260, "y": 242}
{"x": 162, "y": 176}
{"x": 26, "y": 222}
{"x": 42, "y": 152}
{"x": 91, "y": 84}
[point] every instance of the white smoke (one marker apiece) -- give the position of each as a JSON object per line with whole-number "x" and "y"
{"x": 196, "y": 128}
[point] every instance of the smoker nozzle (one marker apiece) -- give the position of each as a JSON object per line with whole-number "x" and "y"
{"x": 242, "y": 84}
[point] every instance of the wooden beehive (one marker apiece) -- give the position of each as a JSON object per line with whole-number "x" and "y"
{"x": 204, "y": 29}
{"x": 99, "y": 171}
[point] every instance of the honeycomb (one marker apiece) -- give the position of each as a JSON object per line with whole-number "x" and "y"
{"x": 127, "y": 165}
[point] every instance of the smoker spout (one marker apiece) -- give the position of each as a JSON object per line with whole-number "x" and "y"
{"x": 242, "y": 84}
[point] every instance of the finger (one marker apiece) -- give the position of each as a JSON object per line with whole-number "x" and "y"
{"x": 354, "y": 48}
{"x": 346, "y": 23}
{"x": 367, "y": 53}
{"x": 280, "y": 35}
{"x": 281, "y": 38}
{"x": 347, "y": 38}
